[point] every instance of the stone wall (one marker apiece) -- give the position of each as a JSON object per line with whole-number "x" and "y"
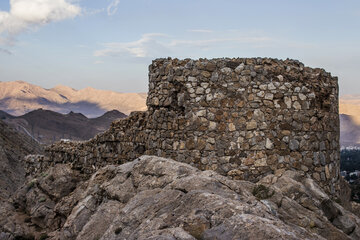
{"x": 241, "y": 117}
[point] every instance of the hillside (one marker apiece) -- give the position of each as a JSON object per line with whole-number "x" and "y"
{"x": 5, "y": 115}
{"x": 349, "y": 131}
{"x": 13, "y": 147}
{"x": 350, "y": 105}
{"x": 19, "y": 97}
{"x": 47, "y": 126}
{"x": 349, "y": 109}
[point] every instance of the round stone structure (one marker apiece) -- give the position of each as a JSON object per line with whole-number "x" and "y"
{"x": 241, "y": 117}
{"x": 246, "y": 117}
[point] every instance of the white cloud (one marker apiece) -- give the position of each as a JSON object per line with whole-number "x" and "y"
{"x": 157, "y": 44}
{"x": 200, "y": 31}
{"x": 146, "y": 46}
{"x": 89, "y": 11}
{"x": 113, "y": 7}
{"x": 28, "y": 14}
{"x": 208, "y": 42}
{"x": 5, "y": 51}
{"x": 42, "y": 11}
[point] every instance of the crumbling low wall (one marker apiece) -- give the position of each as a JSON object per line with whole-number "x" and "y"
{"x": 241, "y": 117}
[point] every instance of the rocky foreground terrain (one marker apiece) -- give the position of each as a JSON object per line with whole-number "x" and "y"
{"x": 158, "y": 198}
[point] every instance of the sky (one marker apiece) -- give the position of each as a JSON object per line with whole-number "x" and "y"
{"x": 108, "y": 44}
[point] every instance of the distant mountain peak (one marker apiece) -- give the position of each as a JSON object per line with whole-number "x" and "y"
{"x": 62, "y": 87}
{"x": 71, "y": 113}
{"x": 21, "y": 81}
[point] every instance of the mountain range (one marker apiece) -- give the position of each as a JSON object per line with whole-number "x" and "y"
{"x": 19, "y": 97}
{"x": 47, "y": 127}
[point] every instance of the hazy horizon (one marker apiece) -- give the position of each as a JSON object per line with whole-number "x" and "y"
{"x": 76, "y": 89}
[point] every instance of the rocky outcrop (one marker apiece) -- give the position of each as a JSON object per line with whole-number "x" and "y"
{"x": 13, "y": 147}
{"x": 158, "y": 198}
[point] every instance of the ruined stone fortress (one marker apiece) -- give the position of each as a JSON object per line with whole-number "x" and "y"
{"x": 241, "y": 117}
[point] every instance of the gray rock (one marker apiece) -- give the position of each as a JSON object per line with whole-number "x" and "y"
{"x": 157, "y": 198}
{"x": 345, "y": 224}
{"x": 294, "y": 144}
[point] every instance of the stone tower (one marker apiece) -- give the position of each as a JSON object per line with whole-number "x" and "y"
{"x": 241, "y": 117}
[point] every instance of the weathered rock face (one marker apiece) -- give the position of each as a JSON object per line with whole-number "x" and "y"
{"x": 13, "y": 147}
{"x": 157, "y": 198}
{"x": 244, "y": 118}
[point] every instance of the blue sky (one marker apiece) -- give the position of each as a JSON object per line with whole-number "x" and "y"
{"x": 108, "y": 44}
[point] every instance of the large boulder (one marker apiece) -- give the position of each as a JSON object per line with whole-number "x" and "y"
{"x": 158, "y": 198}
